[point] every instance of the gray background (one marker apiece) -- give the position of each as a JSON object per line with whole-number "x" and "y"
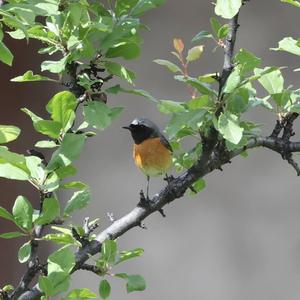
{"x": 239, "y": 238}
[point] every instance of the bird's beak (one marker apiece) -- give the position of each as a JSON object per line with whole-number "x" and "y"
{"x": 126, "y": 127}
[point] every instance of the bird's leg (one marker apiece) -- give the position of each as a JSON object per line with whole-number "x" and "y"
{"x": 148, "y": 180}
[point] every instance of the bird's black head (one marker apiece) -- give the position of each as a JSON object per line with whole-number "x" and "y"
{"x": 142, "y": 129}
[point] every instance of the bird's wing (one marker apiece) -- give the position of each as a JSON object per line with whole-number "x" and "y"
{"x": 166, "y": 143}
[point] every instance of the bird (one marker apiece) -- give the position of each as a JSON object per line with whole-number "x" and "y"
{"x": 152, "y": 152}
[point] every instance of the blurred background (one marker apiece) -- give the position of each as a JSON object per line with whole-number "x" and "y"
{"x": 240, "y": 237}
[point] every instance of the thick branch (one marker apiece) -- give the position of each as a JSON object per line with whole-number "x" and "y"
{"x": 175, "y": 188}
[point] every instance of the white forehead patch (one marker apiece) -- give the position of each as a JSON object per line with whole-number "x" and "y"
{"x": 135, "y": 122}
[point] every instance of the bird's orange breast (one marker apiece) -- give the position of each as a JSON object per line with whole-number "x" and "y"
{"x": 152, "y": 157}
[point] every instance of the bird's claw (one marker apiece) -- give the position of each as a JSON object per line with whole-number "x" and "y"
{"x": 168, "y": 178}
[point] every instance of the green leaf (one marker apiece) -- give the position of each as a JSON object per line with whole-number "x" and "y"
{"x": 55, "y": 66}
{"x": 74, "y": 185}
{"x": 143, "y": 5}
{"x": 201, "y": 35}
{"x": 228, "y": 126}
{"x": 195, "y": 53}
{"x": 134, "y": 282}
{"x": 223, "y": 31}
{"x": 78, "y": 201}
{"x": 97, "y": 114}
{"x": 8, "y": 133}
{"x": 68, "y": 151}
{"x": 50, "y": 211}
{"x": 36, "y": 168}
{"x": 11, "y": 171}
{"x": 11, "y": 235}
{"x": 200, "y": 102}
{"x": 233, "y": 81}
{"x": 197, "y": 84}
{"x": 81, "y": 294}
{"x": 64, "y": 258}
{"x": 282, "y": 99}
{"x": 24, "y": 252}
{"x": 169, "y": 106}
{"x": 29, "y": 76}
{"x": 171, "y": 66}
{"x": 46, "y": 144}
{"x": 247, "y": 60}
{"x": 22, "y": 212}
{"x": 109, "y": 251}
{"x": 237, "y": 102}
{"x": 125, "y": 255}
{"x": 120, "y": 71}
{"x": 193, "y": 119}
{"x": 198, "y": 186}
{"x": 48, "y": 127}
{"x": 126, "y": 50}
{"x": 104, "y": 289}
{"x": 117, "y": 88}
{"x": 272, "y": 82}
{"x": 293, "y": 2}
{"x": 5, "y": 55}
{"x": 215, "y": 25}
{"x": 67, "y": 171}
{"x": 288, "y": 44}
{"x": 61, "y": 107}
{"x": 51, "y": 183}
{"x": 227, "y": 8}
{"x": 60, "y": 238}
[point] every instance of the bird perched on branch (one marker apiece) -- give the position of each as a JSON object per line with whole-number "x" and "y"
{"x": 152, "y": 152}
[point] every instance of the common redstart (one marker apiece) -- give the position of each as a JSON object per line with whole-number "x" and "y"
{"x": 152, "y": 152}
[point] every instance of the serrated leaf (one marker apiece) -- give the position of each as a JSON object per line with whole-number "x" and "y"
{"x": 22, "y": 212}
{"x": 104, "y": 289}
{"x": 171, "y": 66}
{"x": 24, "y": 252}
{"x": 227, "y": 8}
{"x": 78, "y": 201}
{"x": 247, "y": 60}
{"x": 8, "y": 133}
{"x": 29, "y": 76}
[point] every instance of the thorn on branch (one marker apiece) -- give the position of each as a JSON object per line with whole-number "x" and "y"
{"x": 110, "y": 217}
{"x": 89, "y": 228}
